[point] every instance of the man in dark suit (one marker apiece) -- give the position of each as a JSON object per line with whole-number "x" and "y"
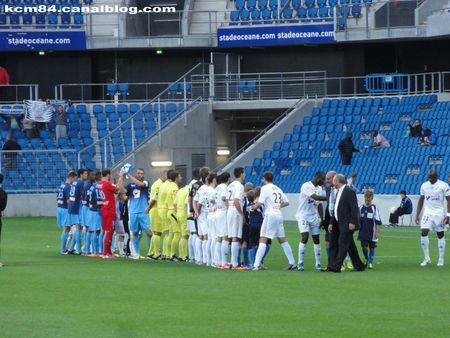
{"x": 344, "y": 221}
{"x": 329, "y": 189}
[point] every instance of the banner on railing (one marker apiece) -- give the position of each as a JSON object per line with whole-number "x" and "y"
{"x": 271, "y": 35}
{"x": 42, "y": 41}
{"x": 38, "y": 111}
{"x": 12, "y": 111}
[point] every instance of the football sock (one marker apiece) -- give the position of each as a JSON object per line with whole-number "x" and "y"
{"x": 234, "y": 254}
{"x": 191, "y": 243}
{"x": 149, "y": 241}
{"x": 107, "y": 243}
{"x": 78, "y": 240}
{"x": 87, "y": 243}
{"x": 265, "y": 254}
{"x": 174, "y": 246}
{"x": 183, "y": 248}
{"x": 224, "y": 252}
{"x": 328, "y": 251}
{"x": 301, "y": 251}
{"x": 120, "y": 246}
{"x": 218, "y": 253}
{"x": 73, "y": 241}
{"x": 205, "y": 251}
{"x": 95, "y": 243}
{"x": 317, "y": 253}
{"x": 371, "y": 255}
{"x": 245, "y": 253}
{"x": 288, "y": 252}
{"x": 254, "y": 250}
{"x": 239, "y": 256}
{"x": 154, "y": 246}
{"x": 425, "y": 242}
{"x": 198, "y": 250}
{"x": 136, "y": 245}
{"x": 441, "y": 246}
{"x": 64, "y": 236}
{"x": 259, "y": 254}
{"x": 100, "y": 242}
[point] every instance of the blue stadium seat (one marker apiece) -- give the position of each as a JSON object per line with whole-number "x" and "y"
{"x": 313, "y": 12}
{"x": 240, "y": 4}
{"x": 234, "y": 16}
{"x": 356, "y": 11}
{"x": 123, "y": 89}
{"x": 310, "y": 3}
{"x": 251, "y": 4}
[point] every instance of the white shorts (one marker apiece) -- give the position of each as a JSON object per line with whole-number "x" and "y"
{"x": 221, "y": 224}
{"x": 234, "y": 224}
{"x": 191, "y": 226}
{"x": 273, "y": 226}
{"x": 430, "y": 221}
{"x": 202, "y": 224}
{"x": 211, "y": 226}
{"x": 118, "y": 227}
{"x": 310, "y": 224}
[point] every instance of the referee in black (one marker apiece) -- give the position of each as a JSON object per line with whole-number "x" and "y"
{"x": 3, "y": 202}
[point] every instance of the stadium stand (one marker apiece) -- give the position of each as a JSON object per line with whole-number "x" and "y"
{"x": 257, "y": 12}
{"x": 54, "y": 18}
{"x": 60, "y": 157}
{"x": 386, "y": 170}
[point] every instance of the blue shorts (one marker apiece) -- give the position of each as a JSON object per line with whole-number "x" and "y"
{"x": 62, "y": 217}
{"x": 74, "y": 219}
{"x": 84, "y": 219}
{"x": 139, "y": 222}
{"x": 95, "y": 220}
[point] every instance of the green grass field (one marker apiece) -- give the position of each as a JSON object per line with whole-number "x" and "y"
{"x": 45, "y": 294}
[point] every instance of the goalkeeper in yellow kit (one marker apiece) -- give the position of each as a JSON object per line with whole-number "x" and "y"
{"x": 181, "y": 202}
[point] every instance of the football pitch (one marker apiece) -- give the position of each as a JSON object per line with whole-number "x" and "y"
{"x": 45, "y": 294}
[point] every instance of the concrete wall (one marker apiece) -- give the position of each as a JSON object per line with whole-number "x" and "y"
{"x": 31, "y": 205}
{"x": 276, "y": 133}
{"x": 45, "y": 205}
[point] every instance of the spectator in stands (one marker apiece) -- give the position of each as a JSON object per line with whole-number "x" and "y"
{"x": 429, "y": 138}
{"x": 405, "y": 208}
{"x": 379, "y": 140}
{"x": 11, "y": 158}
{"x": 346, "y": 149}
{"x": 29, "y": 128}
{"x": 4, "y": 76}
{"x": 416, "y": 129}
{"x": 61, "y": 123}
{"x": 408, "y": 131}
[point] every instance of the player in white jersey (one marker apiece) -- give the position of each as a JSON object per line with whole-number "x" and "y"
{"x": 221, "y": 220}
{"x": 433, "y": 194}
{"x": 235, "y": 215}
{"x": 201, "y": 215}
{"x": 272, "y": 199}
{"x": 191, "y": 222}
{"x": 211, "y": 218}
{"x": 309, "y": 216}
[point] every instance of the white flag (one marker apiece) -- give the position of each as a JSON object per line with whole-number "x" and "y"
{"x": 38, "y": 111}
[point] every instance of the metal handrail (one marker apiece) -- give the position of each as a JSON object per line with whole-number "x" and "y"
{"x": 263, "y": 132}
{"x": 192, "y": 105}
{"x": 128, "y": 120}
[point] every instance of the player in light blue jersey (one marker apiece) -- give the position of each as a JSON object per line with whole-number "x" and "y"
{"x": 138, "y": 196}
{"x": 95, "y": 201}
{"x": 62, "y": 216}
{"x": 85, "y": 221}
{"x": 74, "y": 208}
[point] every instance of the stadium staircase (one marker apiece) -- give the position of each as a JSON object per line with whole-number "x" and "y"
{"x": 312, "y": 145}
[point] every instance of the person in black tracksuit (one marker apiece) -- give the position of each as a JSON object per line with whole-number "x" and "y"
{"x": 3, "y": 203}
